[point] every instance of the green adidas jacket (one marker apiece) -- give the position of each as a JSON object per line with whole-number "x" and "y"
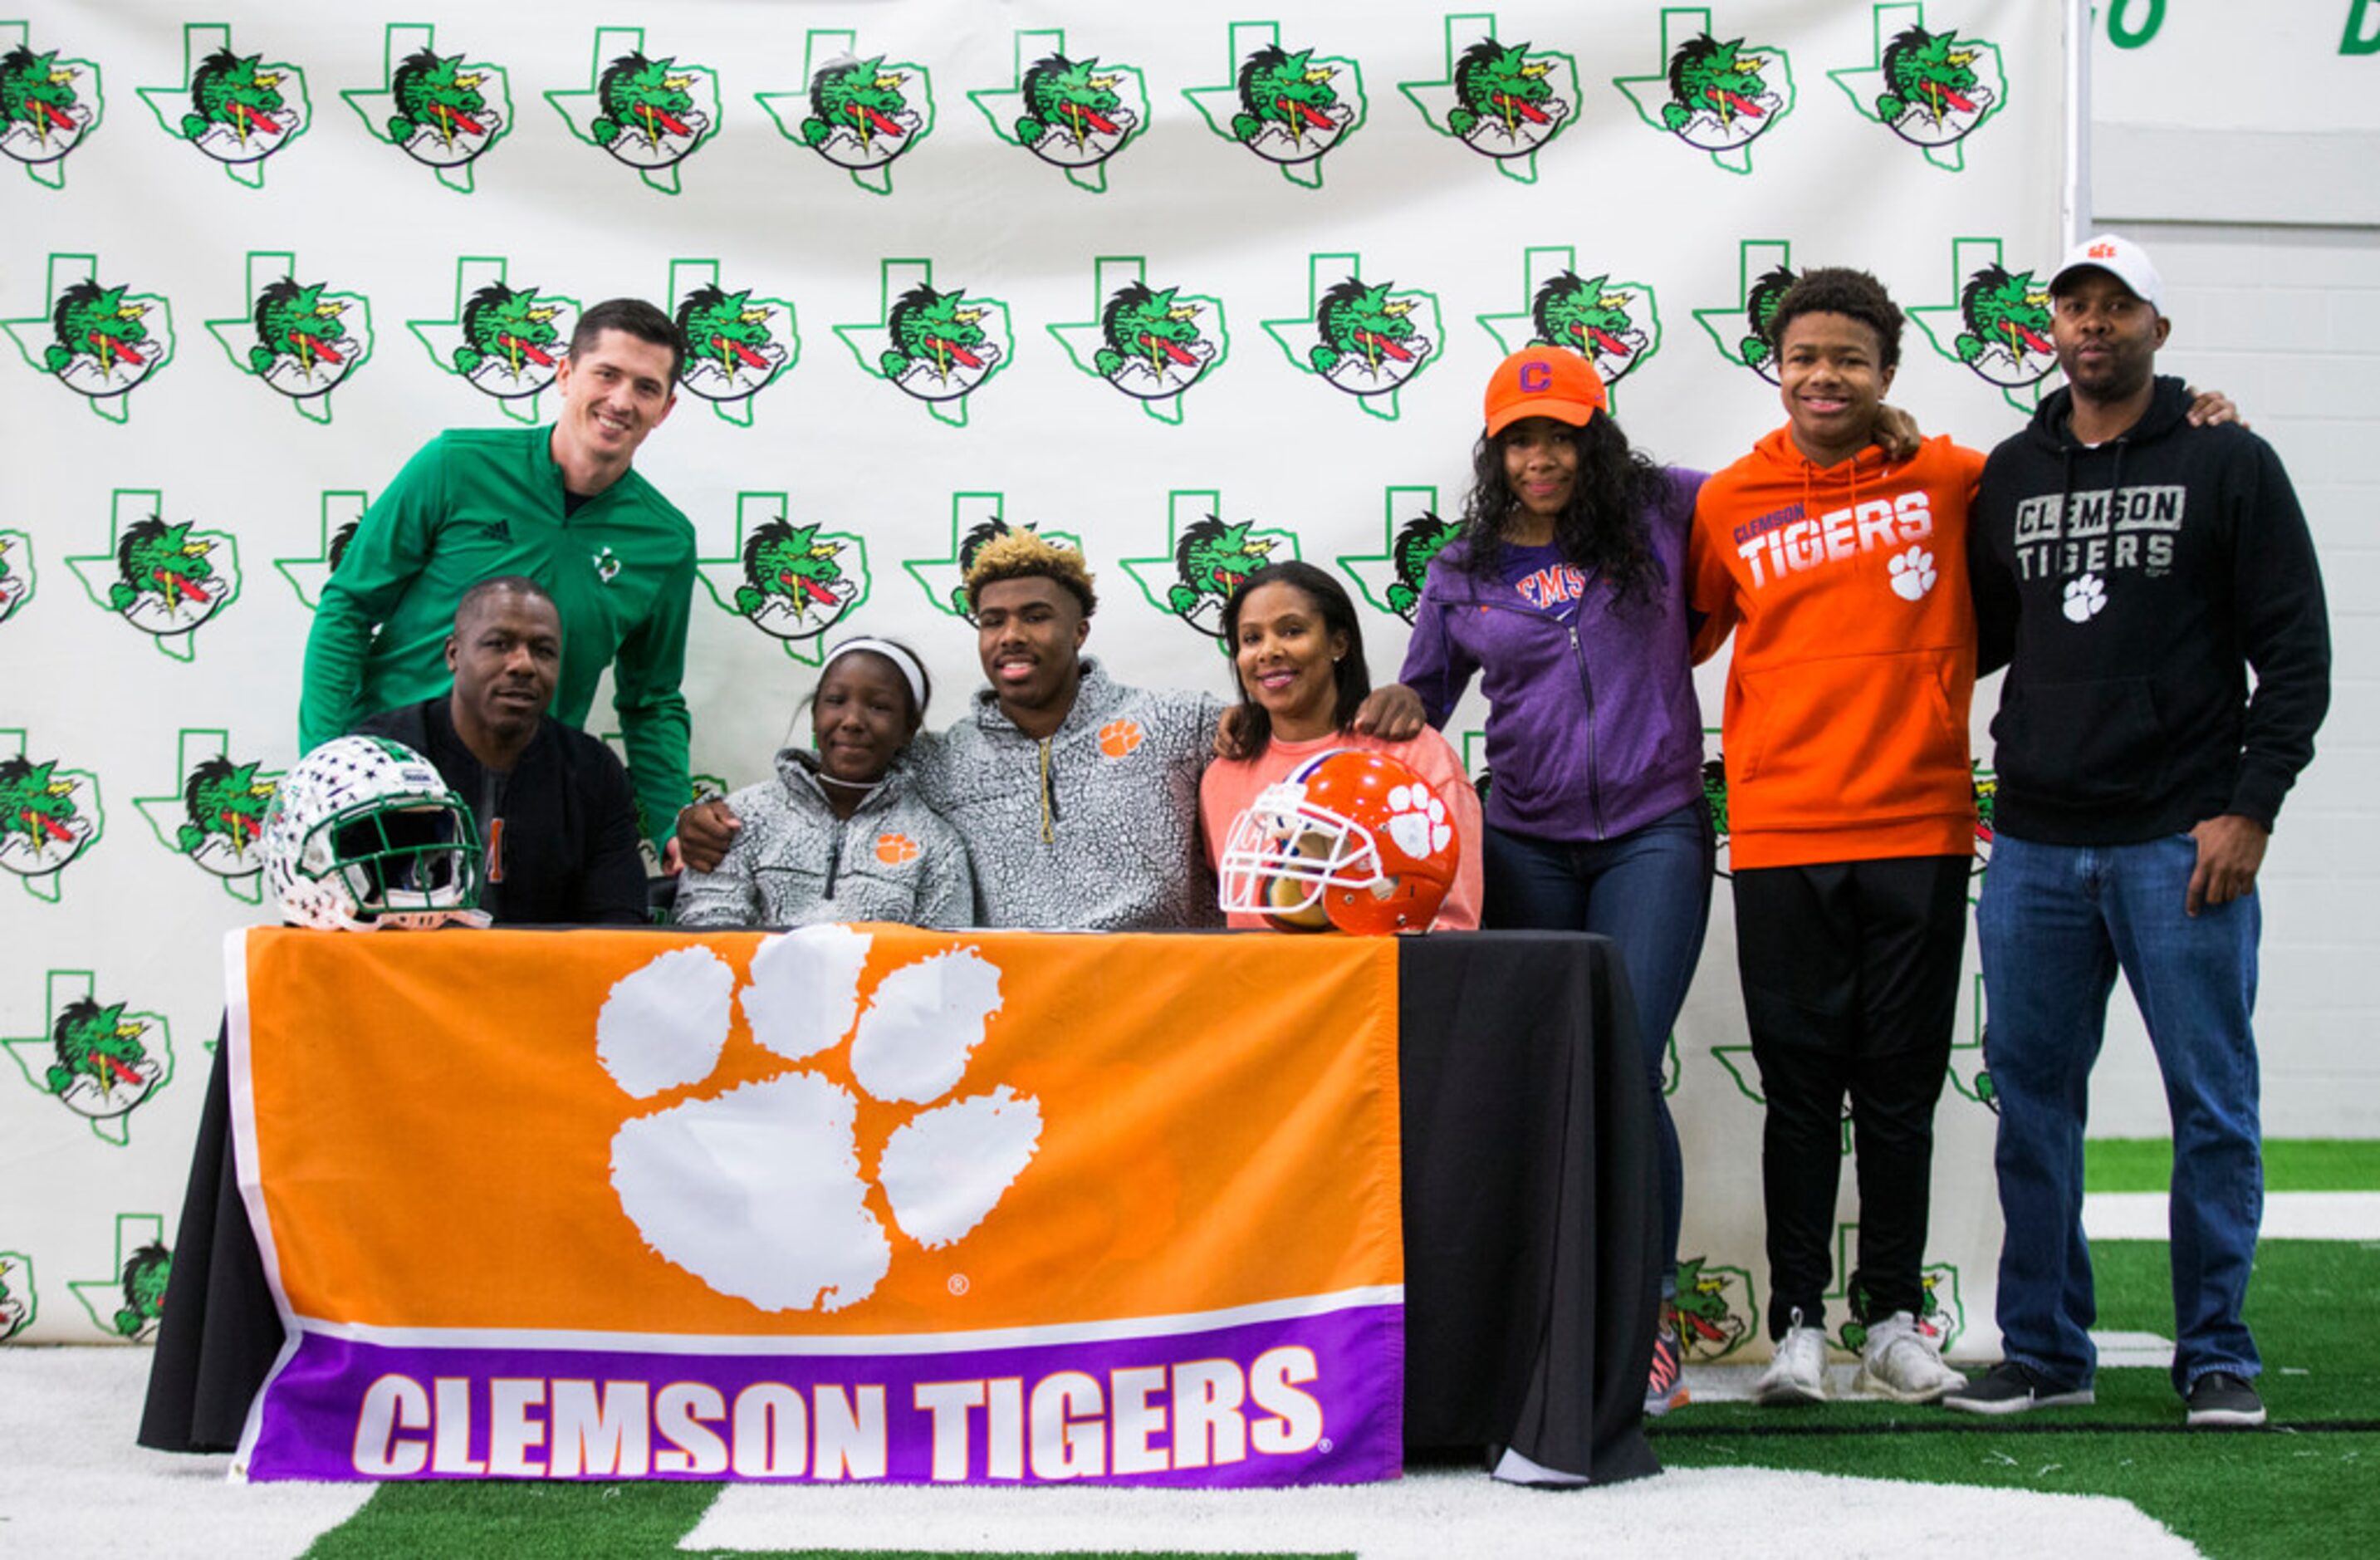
{"x": 476, "y": 503}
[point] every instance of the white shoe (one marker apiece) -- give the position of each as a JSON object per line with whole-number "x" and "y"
{"x": 1903, "y": 1362}
{"x": 1798, "y": 1374}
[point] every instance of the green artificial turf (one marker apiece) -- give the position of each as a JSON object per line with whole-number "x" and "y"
{"x": 2300, "y": 1486}
{"x": 2290, "y": 1163}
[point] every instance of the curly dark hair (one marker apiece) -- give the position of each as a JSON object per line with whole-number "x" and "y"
{"x": 1602, "y": 529}
{"x": 1838, "y": 290}
{"x": 1250, "y": 731}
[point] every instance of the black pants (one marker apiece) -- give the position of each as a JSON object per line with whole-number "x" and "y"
{"x": 1851, "y": 987}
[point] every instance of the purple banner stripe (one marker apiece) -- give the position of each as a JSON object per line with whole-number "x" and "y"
{"x": 1309, "y": 1400}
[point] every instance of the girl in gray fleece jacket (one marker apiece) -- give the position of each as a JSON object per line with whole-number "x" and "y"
{"x": 840, "y": 834}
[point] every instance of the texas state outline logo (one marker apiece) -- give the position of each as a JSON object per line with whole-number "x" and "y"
{"x": 167, "y": 579}
{"x": 214, "y": 817}
{"x": 50, "y": 103}
{"x": 342, "y": 510}
{"x": 49, "y": 816}
{"x": 301, "y": 339}
{"x": 650, "y": 115}
{"x": 128, "y": 1304}
{"x": 1505, "y": 102}
{"x": 1998, "y": 329}
{"x": 506, "y": 342}
{"x": 861, "y": 114}
{"x": 977, "y": 518}
{"x": 99, "y": 341}
{"x": 1933, "y": 89}
{"x": 1765, "y": 274}
{"x": 1150, "y": 344}
{"x": 1362, "y": 339}
{"x": 1206, "y": 559}
{"x": 1391, "y": 580}
{"x": 444, "y": 112}
{"x": 1289, "y": 107}
{"x": 737, "y": 344}
{"x": 1073, "y": 114}
{"x": 240, "y": 110}
{"x": 1718, "y": 96}
{"x": 1616, "y": 325}
{"x": 100, "y": 1061}
{"x": 933, "y": 344}
{"x": 17, "y": 577}
{"x": 20, "y": 1299}
{"x": 792, "y": 581}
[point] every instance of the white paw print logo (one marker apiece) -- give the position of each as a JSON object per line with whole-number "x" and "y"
{"x": 1417, "y": 821}
{"x": 756, "y": 1190}
{"x": 2084, "y": 598}
{"x": 1913, "y": 574}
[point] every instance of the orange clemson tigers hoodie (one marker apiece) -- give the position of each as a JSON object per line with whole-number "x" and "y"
{"x": 1845, "y": 734}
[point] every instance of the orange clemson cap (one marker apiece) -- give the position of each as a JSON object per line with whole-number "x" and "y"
{"x": 1544, "y": 382}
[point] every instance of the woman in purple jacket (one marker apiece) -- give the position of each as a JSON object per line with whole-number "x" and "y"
{"x": 1565, "y": 594}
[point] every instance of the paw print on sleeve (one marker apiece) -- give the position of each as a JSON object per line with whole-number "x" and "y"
{"x": 756, "y": 1190}
{"x": 1417, "y": 821}
{"x": 1913, "y": 574}
{"x": 2085, "y": 596}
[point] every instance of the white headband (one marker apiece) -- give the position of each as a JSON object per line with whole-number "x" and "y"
{"x": 902, "y": 661}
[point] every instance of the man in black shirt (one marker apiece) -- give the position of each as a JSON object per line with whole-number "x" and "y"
{"x": 555, "y": 813}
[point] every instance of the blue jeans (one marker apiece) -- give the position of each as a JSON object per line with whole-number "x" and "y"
{"x": 2056, "y": 923}
{"x": 1649, "y": 891}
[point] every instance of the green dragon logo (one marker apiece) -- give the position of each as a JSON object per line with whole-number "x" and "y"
{"x": 43, "y": 114}
{"x": 859, "y": 117}
{"x": 443, "y": 110}
{"x": 1717, "y": 97}
{"x": 1742, "y": 333}
{"x": 1075, "y": 114}
{"x": 105, "y": 340}
{"x": 1367, "y": 341}
{"x": 1414, "y": 534}
{"x": 1933, "y": 89}
{"x": 2007, "y": 339}
{"x": 1714, "y": 1311}
{"x": 238, "y": 109}
{"x": 146, "y": 1274}
{"x": 1152, "y": 347}
{"x": 18, "y": 1299}
{"x": 166, "y": 581}
{"x": 975, "y": 521}
{"x": 792, "y": 582}
{"x": 1289, "y": 107}
{"x": 16, "y": 572}
{"x": 649, "y": 114}
{"x": 1503, "y": 102}
{"x": 301, "y": 339}
{"x": 1592, "y": 319}
{"x": 938, "y": 346}
{"x": 225, "y": 805}
{"x": 737, "y": 344}
{"x": 43, "y": 822}
{"x": 1209, "y": 559}
{"x": 103, "y": 1067}
{"x": 513, "y": 340}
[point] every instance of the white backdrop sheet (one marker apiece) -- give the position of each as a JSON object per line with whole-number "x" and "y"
{"x": 1573, "y": 191}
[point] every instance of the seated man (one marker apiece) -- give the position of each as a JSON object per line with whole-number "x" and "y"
{"x": 1078, "y": 796}
{"x": 557, "y": 821}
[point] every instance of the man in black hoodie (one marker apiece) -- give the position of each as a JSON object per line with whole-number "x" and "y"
{"x": 2131, "y": 570}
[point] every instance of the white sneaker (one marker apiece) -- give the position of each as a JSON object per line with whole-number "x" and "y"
{"x": 1903, "y": 1362}
{"x": 1798, "y": 1374}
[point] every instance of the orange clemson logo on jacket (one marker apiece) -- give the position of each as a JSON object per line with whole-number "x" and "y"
{"x": 895, "y": 850}
{"x": 1119, "y": 738}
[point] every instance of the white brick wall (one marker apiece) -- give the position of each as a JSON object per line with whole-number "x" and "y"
{"x": 2286, "y": 321}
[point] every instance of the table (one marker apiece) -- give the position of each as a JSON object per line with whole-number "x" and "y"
{"x": 1531, "y": 1226}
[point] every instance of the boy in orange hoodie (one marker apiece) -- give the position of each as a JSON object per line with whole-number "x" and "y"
{"x": 1851, "y": 816}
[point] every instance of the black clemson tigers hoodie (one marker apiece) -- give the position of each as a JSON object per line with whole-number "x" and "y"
{"x": 2130, "y": 587}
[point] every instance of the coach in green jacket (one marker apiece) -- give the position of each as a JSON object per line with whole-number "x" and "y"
{"x": 559, "y": 505}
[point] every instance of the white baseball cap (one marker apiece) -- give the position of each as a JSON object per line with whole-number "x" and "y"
{"x": 2120, "y": 258}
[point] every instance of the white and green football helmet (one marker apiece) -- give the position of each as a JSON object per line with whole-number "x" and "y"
{"x": 363, "y": 827}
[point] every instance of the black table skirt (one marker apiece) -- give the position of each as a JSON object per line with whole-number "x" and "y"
{"x": 1531, "y": 1220}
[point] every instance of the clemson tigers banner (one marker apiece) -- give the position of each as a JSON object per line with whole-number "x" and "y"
{"x": 847, "y": 1202}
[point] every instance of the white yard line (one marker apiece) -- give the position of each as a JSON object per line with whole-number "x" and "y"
{"x": 2289, "y": 1216}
